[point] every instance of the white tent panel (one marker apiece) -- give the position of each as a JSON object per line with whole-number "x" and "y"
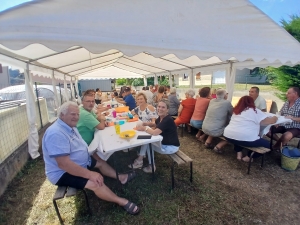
{"x": 131, "y": 69}
{"x": 137, "y": 64}
{"x": 110, "y": 73}
{"x": 202, "y": 28}
{"x": 192, "y": 61}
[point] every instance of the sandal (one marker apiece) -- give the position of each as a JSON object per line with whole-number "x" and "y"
{"x": 136, "y": 164}
{"x": 208, "y": 145}
{"x": 130, "y": 177}
{"x": 129, "y": 207}
{"x": 218, "y": 150}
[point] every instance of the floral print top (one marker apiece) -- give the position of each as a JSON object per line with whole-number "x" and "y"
{"x": 146, "y": 115}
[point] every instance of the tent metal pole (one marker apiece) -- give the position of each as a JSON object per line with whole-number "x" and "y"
{"x": 60, "y": 94}
{"x": 57, "y": 53}
{"x": 71, "y": 64}
{"x": 128, "y": 70}
{"x": 38, "y": 103}
{"x": 133, "y": 67}
{"x": 146, "y": 64}
{"x": 100, "y": 67}
{"x": 92, "y": 65}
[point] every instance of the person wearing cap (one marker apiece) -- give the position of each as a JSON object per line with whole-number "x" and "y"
{"x": 128, "y": 99}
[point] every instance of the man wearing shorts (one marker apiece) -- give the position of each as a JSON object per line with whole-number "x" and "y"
{"x": 291, "y": 110}
{"x": 68, "y": 163}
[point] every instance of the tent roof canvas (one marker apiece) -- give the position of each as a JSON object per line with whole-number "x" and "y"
{"x": 141, "y": 38}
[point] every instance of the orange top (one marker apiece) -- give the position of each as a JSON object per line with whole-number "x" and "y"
{"x": 200, "y": 108}
{"x": 188, "y": 109}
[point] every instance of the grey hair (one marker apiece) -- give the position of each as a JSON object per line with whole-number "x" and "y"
{"x": 166, "y": 101}
{"x": 220, "y": 93}
{"x": 63, "y": 109}
{"x": 173, "y": 90}
{"x": 190, "y": 92}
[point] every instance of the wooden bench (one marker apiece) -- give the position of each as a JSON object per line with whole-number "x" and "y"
{"x": 180, "y": 158}
{"x": 261, "y": 150}
{"x": 63, "y": 191}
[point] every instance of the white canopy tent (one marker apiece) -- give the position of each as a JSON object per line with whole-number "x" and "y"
{"x": 74, "y": 39}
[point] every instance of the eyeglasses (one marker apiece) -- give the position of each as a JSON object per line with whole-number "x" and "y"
{"x": 90, "y": 102}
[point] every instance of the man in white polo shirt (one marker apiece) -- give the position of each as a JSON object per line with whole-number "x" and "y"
{"x": 259, "y": 101}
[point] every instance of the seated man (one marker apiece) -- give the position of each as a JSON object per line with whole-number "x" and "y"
{"x": 67, "y": 161}
{"x": 291, "y": 110}
{"x": 128, "y": 99}
{"x": 88, "y": 119}
{"x": 259, "y": 101}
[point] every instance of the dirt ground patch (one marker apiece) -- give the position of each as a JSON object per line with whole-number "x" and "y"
{"x": 221, "y": 193}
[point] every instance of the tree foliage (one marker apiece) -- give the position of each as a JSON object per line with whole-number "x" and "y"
{"x": 285, "y": 77}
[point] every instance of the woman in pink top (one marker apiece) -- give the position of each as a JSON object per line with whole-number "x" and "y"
{"x": 200, "y": 109}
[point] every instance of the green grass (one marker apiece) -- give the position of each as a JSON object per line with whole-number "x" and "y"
{"x": 221, "y": 193}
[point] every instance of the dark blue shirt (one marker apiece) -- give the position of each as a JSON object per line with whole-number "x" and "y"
{"x": 130, "y": 101}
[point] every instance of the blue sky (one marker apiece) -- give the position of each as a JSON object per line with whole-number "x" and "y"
{"x": 275, "y": 9}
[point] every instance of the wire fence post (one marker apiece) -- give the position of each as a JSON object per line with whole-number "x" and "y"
{"x": 38, "y": 102}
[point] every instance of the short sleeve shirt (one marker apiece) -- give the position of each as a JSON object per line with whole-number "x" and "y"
{"x": 86, "y": 124}
{"x": 294, "y": 111}
{"x": 169, "y": 131}
{"x": 130, "y": 101}
{"x": 245, "y": 126}
{"x": 260, "y": 103}
{"x": 147, "y": 115}
{"x": 61, "y": 140}
{"x": 188, "y": 109}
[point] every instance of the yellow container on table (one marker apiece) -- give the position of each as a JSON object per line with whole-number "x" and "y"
{"x": 122, "y": 109}
{"x": 117, "y": 128}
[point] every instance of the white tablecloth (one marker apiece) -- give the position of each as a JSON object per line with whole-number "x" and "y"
{"x": 106, "y": 141}
{"x": 281, "y": 120}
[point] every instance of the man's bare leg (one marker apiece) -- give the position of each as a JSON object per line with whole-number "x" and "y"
{"x": 104, "y": 193}
{"x": 108, "y": 171}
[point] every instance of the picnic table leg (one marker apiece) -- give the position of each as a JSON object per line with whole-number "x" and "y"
{"x": 262, "y": 160}
{"x": 57, "y": 212}
{"x": 249, "y": 165}
{"x": 151, "y": 160}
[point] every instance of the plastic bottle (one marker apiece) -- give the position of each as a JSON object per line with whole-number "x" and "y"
{"x": 114, "y": 113}
{"x": 117, "y": 127}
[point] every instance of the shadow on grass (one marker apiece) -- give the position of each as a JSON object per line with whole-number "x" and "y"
{"x": 221, "y": 193}
{"x": 18, "y": 199}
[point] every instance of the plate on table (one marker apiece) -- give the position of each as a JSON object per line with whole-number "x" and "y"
{"x": 127, "y": 134}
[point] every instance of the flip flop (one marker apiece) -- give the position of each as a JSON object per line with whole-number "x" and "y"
{"x": 218, "y": 150}
{"x": 129, "y": 207}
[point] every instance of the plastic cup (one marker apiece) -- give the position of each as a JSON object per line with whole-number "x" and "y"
{"x": 117, "y": 128}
